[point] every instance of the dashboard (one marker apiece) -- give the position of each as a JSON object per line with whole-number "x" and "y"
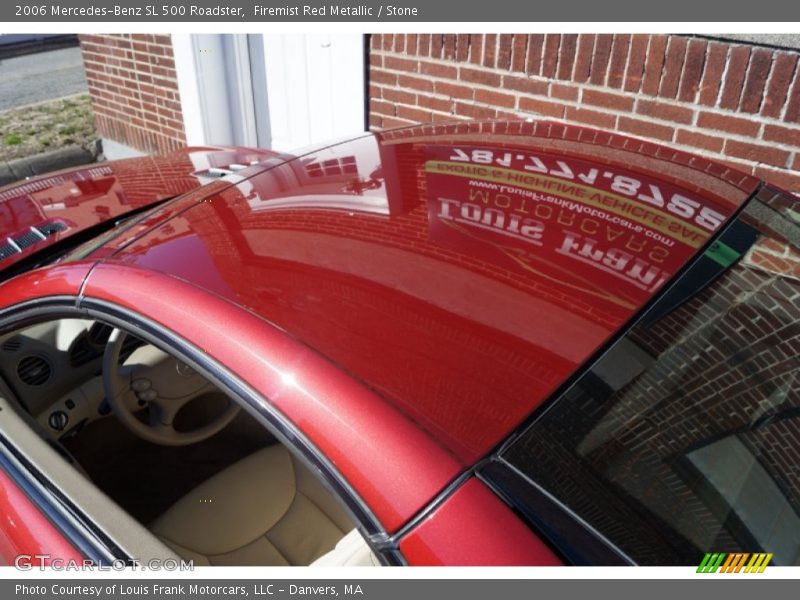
{"x": 54, "y": 370}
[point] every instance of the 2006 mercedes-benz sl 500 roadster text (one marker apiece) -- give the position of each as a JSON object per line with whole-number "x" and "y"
{"x": 483, "y": 343}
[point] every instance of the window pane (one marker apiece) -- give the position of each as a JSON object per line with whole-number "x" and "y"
{"x": 685, "y": 437}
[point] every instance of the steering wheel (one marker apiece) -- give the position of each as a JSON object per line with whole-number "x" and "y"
{"x": 123, "y": 390}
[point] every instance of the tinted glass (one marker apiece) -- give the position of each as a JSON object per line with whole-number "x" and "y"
{"x": 685, "y": 437}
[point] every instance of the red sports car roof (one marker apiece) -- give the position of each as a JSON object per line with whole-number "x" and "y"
{"x": 461, "y": 271}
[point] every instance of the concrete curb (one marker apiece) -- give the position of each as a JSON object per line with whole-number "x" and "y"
{"x": 39, "y": 164}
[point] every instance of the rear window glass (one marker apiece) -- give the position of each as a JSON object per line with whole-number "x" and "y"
{"x": 684, "y": 438}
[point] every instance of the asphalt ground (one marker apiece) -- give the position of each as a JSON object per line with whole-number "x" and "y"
{"x": 41, "y": 76}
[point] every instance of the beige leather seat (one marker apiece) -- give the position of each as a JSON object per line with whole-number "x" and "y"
{"x": 351, "y": 551}
{"x": 267, "y": 509}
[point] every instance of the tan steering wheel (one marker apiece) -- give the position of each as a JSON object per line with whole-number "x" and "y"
{"x": 118, "y": 382}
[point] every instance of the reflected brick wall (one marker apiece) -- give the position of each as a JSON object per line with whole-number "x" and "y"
{"x": 728, "y": 359}
{"x": 726, "y": 362}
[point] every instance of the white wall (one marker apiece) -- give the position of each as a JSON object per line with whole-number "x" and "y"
{"x": 271, "y": 90}
{"x": 315, "y": 87}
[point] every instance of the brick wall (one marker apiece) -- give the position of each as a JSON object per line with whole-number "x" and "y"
{"x": 134, "y": 90}
{"x": 733, "y": 102}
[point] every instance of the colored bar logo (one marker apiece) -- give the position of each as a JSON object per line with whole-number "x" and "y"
{"x": 734, "y": 563}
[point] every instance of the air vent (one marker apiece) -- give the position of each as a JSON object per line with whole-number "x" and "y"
{"x": 129, "y": 346}
{"x": 217, "y": 172}
{"x": 29, "y": 238}
{"x": 49, "y": 229}
{"x": 12, "y": 344}
{"x": 33, "y": 235}
{"x": 91, "y": 346}
{"x": 83, "y": 352}
{"x": 7, "y": 250}
{"x": 99, "y": 334}
{"x": 34, "y": 370}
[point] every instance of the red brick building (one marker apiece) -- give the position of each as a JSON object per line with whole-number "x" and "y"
{"x": 134, "y": 89}
{"x": 152, "y": 93}
{"x": 729, "y": 100}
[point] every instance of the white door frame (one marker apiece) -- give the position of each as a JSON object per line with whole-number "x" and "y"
{"x": 280, "y": 91}
{"x": 216, "y": 88}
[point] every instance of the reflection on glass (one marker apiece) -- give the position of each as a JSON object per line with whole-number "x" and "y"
{"x": 685, "y": 437}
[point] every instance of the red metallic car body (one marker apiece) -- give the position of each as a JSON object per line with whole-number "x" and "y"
{"x": 370, "y": 297}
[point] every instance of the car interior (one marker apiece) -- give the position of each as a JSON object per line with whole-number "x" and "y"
{"x": 172, "y": 451}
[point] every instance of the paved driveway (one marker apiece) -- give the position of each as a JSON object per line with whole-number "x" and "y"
{"x": 41, "y": 76}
